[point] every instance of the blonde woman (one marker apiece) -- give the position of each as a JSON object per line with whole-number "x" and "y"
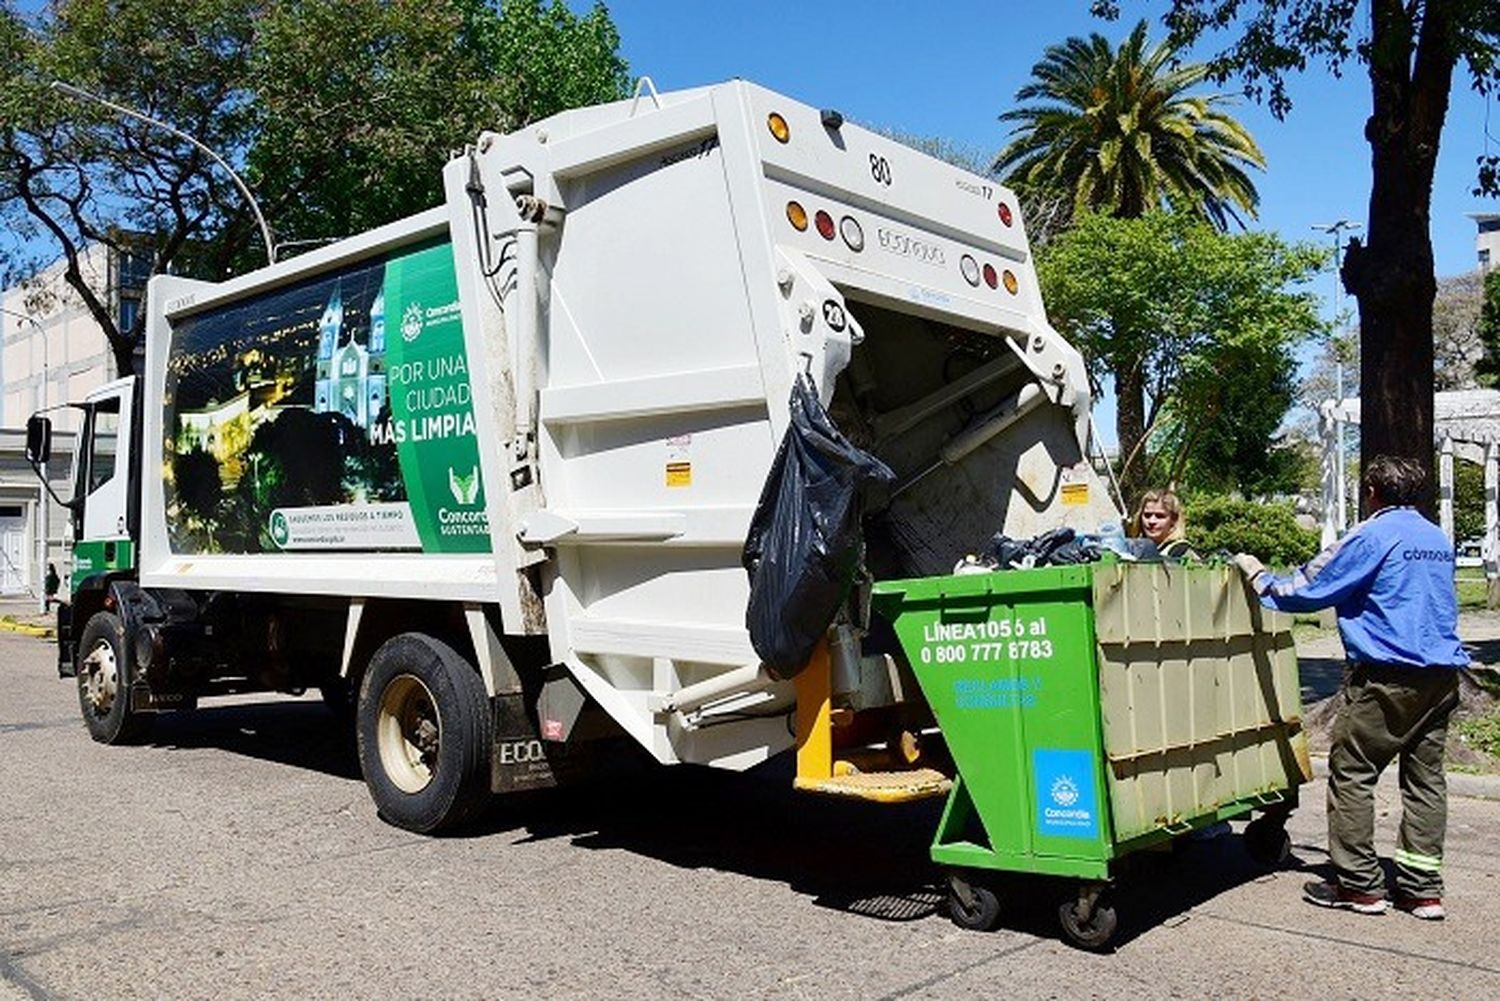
{"x": 1159, "y": 518}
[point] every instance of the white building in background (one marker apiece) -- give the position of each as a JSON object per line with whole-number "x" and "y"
{"x": 1487, "y": 241}
{"x": 52, "y": 351}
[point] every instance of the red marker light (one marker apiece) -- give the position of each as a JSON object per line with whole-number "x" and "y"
{"x": 824, "y": 222}
{"x": 1005, "y": 215}
{"x": 991, "y": 277}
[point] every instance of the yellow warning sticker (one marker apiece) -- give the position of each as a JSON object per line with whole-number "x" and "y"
{"x": 679, "y": 474}
{"x": 1075, "y": 493}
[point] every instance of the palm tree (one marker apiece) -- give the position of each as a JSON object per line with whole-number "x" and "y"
{"x": 1115, "y": 131}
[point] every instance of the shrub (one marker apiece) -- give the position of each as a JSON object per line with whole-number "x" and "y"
{"x": 1268, "y": 531}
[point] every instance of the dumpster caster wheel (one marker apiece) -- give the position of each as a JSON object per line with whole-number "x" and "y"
{"x": 972, "y": 906}
{"x": 1267, "y": 842}
{"x": 1089, "y": 921}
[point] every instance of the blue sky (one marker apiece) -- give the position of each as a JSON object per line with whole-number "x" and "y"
{"x": 949, "y": 70}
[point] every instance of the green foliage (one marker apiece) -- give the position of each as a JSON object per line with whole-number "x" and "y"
{"x": 1482, "y": 733}
{"x": 1226, "y": 420}
{"x": 75, "y": 174}
{"x": 339, "y": 113}
{"x": 1268, "y": 531}
{"x": 1410, "y": 52}
{"x": 361, "y": 102}
{"x": 1468, "y": 500}
{"x": 1473, "y": 595}
{"x": 1197, "y": 329}
{"x": 1117, "y": 131}
{"x": 549, "y": 59}
{"x": 1488, "y": 329}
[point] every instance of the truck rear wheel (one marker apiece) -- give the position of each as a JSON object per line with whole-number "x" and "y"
{"x": 103, "y": 684}
{"x": 426, "y": 734}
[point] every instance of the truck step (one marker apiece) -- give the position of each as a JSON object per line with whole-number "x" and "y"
{"x": 880, "y": 787}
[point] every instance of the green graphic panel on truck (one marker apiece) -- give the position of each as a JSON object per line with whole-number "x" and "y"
{"x": 328, "y": 415}
{"x": 432, "y": 413}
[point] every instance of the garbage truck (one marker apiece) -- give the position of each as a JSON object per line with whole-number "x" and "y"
{"x": 484, "y": 476}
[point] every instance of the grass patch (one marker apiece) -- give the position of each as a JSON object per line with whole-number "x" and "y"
{"x": 1482, "y": 733}
{"x": 1472, "y": 594}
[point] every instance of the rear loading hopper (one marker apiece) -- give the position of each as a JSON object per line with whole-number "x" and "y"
{"x": 695, "y": 254}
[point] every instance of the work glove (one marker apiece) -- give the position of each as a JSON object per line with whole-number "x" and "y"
{"x": 1249, "y": 565}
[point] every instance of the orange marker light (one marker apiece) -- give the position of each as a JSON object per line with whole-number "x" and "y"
{"x": 778, "y": 127}
{"x": 797, "y": 216}
{"x": 1011, "y": 285}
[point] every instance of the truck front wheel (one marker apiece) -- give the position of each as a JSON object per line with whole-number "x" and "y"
{"x": 103, "y": 685}
{"x": 425, "y": 734}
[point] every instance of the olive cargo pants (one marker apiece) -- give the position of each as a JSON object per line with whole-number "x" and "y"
{"x": 1390, "y": 713}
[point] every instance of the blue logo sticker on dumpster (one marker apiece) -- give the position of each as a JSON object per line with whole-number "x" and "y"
{"x": 1067, "y": 802}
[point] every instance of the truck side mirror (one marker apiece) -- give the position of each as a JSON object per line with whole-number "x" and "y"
{"x": 38, "y": 439}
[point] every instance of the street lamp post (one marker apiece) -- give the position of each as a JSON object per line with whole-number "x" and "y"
{"x": 79, "y": 93}
{"x": 44, "y": 509}
{"x": 1334, "y": 231}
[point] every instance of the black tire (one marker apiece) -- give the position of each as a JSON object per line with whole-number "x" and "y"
{"x": 1095, "y": 933}
{"x": 425, "y": 733}
{"x": 104, "y": 682}
{"x": 971, "y": 905}
{"x": 1267, "y": 842}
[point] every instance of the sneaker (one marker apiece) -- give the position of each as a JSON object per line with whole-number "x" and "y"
{"x": 1426, "y": 908}
{"x": 1335, "y": 896}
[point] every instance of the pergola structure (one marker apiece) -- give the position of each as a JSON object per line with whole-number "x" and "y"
{"x": 1466, "y": 423}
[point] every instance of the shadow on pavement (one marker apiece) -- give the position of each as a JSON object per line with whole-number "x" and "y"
{"x": 858, "y": 858}
{"x": 1483, "y": 651}
{"x": 861, "y": 859}
{"x": 302, "y": 734}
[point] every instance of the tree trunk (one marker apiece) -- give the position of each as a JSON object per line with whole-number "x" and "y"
{"x": 1392, "y": 276}
{"x": 1130, "y": 427}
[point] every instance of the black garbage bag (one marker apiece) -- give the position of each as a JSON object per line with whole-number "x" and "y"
{"x": 1058, "y": 546}
{"x": 805, "y": 542}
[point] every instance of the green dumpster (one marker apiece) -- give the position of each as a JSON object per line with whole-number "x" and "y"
{"x": 1095, "y": 710}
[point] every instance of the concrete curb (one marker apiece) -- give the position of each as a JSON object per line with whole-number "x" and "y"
{"x": 1459, "y": 783}
{"x": 9, "y": 625}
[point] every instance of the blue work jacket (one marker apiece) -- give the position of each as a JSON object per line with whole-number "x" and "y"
{"x": 1390, "y": 581}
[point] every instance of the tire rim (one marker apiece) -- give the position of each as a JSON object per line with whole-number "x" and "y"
{"x": 408, "y": 731}
{"x": 101, "y": 678}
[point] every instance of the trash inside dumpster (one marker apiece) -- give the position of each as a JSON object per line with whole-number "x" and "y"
{"x": 1095, "y": 710}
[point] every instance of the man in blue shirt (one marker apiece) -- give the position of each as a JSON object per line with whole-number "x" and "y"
{"x": 1390, "y": 581}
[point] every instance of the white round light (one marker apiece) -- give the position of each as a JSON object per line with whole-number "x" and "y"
{"x": 970, "y": 268}
{"x": 853, "y": 235}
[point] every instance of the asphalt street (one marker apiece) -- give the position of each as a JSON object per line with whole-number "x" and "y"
{"x": 237, "y": 855}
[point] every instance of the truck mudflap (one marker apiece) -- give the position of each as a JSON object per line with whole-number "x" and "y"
{"x": 67, "y": 664}
{"x": 523, "y": 760}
